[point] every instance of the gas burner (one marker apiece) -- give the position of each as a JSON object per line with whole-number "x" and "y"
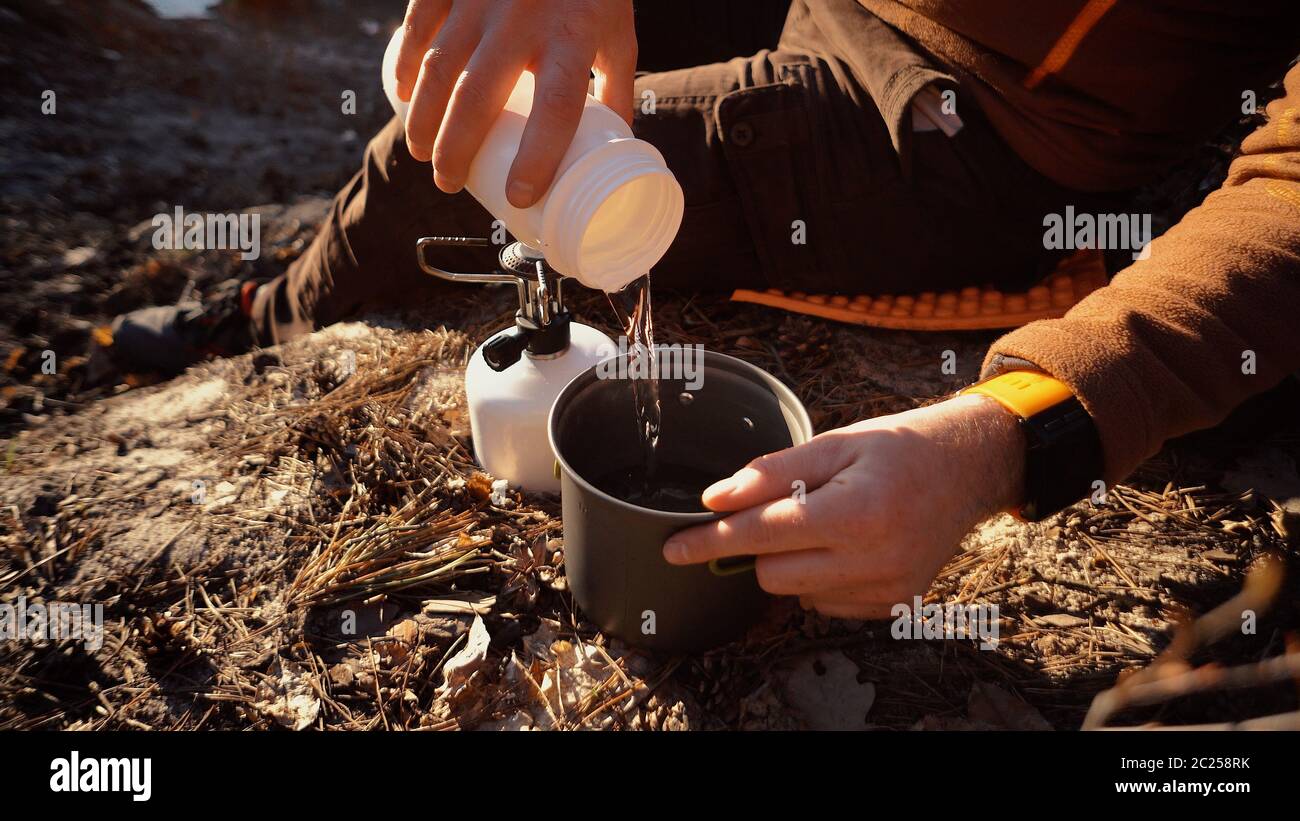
{"x": 541, "y": 323}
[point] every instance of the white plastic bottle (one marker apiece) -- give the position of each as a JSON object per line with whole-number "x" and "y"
{"x": 613, "y": 208}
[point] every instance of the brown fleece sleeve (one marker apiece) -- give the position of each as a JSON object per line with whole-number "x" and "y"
{"x": 1160, "y": 350}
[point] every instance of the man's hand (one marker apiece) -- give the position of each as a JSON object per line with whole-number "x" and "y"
{"x": 460, "y": 59}
{"x": 887, "y": 503}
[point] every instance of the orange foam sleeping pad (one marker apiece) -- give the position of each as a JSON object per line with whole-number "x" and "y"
{"x": 972, "y": 308}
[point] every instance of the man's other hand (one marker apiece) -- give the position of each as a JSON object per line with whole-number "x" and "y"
{"x": 861, "y": 518}
{"x": 460, "y": 59}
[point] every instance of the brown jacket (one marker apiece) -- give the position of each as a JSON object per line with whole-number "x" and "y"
{"x": 1104, "y": 94}
{"x": 1100, "y": 95}
{"x": 1168, "y": 346}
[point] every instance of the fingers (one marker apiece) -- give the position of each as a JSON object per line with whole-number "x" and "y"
{"x": 457, "y": 81}
{"x": 805, "y": 572}
{"x": 475, "y": 104}
{"x": 785, "y": 524}
{"x": 616, "y": 74}
{"x": 439, "y": 71}
{"x": 615, "y": 87}
{"x": 423, "y": 19}
{"x": 558, "y": 100}
{"x": 790, "y": 472}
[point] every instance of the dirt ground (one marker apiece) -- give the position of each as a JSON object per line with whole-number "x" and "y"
{"x": 231, "y": 520}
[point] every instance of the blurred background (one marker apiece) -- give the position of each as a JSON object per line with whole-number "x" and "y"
{"x": 211, "y": 105}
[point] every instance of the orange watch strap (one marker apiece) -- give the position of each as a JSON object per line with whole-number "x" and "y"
{"x": 1024, "y": 393}
{"x": 1063, "y": 454}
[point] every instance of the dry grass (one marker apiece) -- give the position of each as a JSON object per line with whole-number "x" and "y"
{"x": 351, "y": 500}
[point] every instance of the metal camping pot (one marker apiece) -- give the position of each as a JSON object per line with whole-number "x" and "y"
{"x": 727, "y": 414}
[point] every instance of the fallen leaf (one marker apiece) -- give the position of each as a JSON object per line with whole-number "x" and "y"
{"x": 15, "y": 356}
{"x": 580, "y": 670}
{"x": 342, "y": 675}
{"x": 1216, "y": 555}
{"x": 1270, "y": 472}
{"x": 293, "y": 702}
{"x": 1060, "y": 620}
{"x": 992, "y": 706}
{"x": 825, "y": 691}
{"x": 458, "y": 669}
{"x": 406, "y": 630}
{"x": 1286, "y": 521}
{"x": 480, "y": 486}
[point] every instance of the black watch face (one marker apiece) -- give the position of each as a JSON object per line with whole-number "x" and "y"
{"x": 1063, "y": 460}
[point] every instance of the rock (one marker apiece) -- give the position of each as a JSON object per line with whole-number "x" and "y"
{"x": 500, "y": 496}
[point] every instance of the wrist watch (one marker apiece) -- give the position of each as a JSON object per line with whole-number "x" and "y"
{"x": 1062, "y": 448}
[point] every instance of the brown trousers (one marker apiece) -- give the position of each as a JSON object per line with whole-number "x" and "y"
{"x": 809, "y": 141}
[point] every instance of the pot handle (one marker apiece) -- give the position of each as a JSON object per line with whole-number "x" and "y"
{"x": 732, "y": 566}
